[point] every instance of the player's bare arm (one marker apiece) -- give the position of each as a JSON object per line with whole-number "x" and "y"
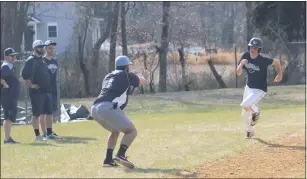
{"x": 143, "y": 77}
{"x": 240, "y": 67}
{"x": 29, "y": 84}
{"x": 277, "y": 66}
{"x": 5, "y": 85}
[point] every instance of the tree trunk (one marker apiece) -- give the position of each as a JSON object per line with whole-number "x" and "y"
{"x": 105, "y": 32}
{"x": 249, "y": 22}
{"x": 112, "y": 53}
{"x": 13, "y": 24}
{"x": 123, "y": 27}
{"x": 164, "y": 47}
{"x": 183, "y": 75}
{"x": 145, "y": 68}
{"x": 81, "y": 43}
{"x": 216, "y": 75}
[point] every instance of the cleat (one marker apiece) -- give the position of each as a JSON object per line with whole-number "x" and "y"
{"x": 53, "y": 136}
{"x": 40, "y": 138}
{"x": 124, "y": 161}
{"x": 10, "y": 141}
{"x": 249, "y": 135}
{"x": 110, "y": 164}
{"x": 255, "y": 118}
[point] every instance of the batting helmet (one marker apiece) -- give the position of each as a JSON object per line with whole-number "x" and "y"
{"x": 256, "y": 42}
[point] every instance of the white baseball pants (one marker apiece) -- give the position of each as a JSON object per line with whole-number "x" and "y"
{"x": 251, "y": 97}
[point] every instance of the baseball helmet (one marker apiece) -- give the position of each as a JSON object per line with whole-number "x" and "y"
{"x": 256, "y": 42}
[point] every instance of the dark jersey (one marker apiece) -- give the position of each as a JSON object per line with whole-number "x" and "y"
{"x": 52, "y": 65}
{"x": 36, "y": 70}
{"x": 116, "y": 87}
{"x": 256, "y": 71}
{"x": 8, "y": 74}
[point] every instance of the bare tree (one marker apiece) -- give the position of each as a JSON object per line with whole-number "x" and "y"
{"x": 105, "y": 12}
{"x": 183, "y": 63}
{"x": 249, "y": 20}
{"x": 163, "y": 50}
{"x": 112, "y": 54}
{"x": 14, "y": 18}
{"x": 124, "y": 11}
{"x": 82, "y": 35}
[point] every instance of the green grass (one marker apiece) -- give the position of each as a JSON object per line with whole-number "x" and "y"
{"x": 176, "y": 131}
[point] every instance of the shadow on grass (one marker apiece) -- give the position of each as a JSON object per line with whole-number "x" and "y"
{"x": 170, "y": 171}
{"x": 74, "y": 140}
{"x": 280, "y": 146}
{"x": 41, "y": 144}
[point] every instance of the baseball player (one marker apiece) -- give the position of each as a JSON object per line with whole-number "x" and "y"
{"x": 9, "y": 93}
{"x": 52, "y": 65}
{"x": 255, "y": 67}
{"x": 36, "y": 76}
{"x": 107, "y": 110}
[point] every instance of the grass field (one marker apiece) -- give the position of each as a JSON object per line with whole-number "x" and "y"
{"x": 176, "y": 132}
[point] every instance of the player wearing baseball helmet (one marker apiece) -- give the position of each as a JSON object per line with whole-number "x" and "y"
{"x": 255, "y": 66}
{"x": 255, "y": 42}
{"x": 108, "y": 108}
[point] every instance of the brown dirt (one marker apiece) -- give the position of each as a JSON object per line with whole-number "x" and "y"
{"x": 281, "y": 158}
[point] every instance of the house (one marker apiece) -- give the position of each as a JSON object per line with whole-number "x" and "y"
{"x": 51, "y": 21}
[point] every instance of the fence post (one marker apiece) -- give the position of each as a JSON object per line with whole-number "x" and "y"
{"x": 236, "y": 64}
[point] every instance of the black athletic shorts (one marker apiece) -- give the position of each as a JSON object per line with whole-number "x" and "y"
{"x": 41, "y": 104}
{"x": 9, "y": 106}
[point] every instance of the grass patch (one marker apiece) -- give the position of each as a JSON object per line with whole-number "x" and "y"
{"x": 176, "y": 131}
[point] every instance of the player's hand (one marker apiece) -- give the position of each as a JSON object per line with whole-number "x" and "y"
{"x": 244, "y": 62}
{"x": 278, "y": 78}
{"x": 6, "y": 86}
{"x": 35, "y": 86}
{"x": 145, "y": 74}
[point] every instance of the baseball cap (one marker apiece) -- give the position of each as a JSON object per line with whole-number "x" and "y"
{"x": 38, "y": 43}
{"x": 50, "y": 42}
{"x": 10, "y": 52}
{"x": 122, "y": 61}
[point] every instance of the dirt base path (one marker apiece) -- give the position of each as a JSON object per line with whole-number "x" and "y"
{"x": 281, "y": 158}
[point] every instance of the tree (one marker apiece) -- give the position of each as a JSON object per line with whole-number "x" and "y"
{"x": 203, "y": 14}
{"x": 112, "y": 54}
{"x": 249, "y": 20}
{"x": 14, "y": 18}
{"x": 282, "y": 22}
{"x": 84, "y": 23}
{"x": 163, "y": 50}
{"x": 123, "y": 13}
{"x": 102, "y": 11}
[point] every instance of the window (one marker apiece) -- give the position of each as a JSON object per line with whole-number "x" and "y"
{"x": 52, "y": 30}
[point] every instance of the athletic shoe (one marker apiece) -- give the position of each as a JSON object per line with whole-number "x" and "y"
{"x": 109, "y": 163}
{"x": 40, "y": 138}
{"x": 249, "y": 135}
{"x": 255, "y": 118}
{"x": 124, "y": 161}
{"x": 10, "y": 141}
{"x": 53, "y": 136}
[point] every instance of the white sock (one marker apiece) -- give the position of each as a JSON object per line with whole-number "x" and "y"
{"x": 247, "y": 118}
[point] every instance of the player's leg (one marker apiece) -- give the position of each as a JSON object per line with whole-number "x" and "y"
{"x": 246, "y": 114}
{"x": 54, "y": 110}
{"x": 100, "y": 113}
{"x": 10, "y": 113}
{"x": 36, "y": 103}
{"x": 42, "y": 122}
{"x": 48, "y": 109}
{"x": 123, "y": 124}
{"x": 248, "y": 105}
